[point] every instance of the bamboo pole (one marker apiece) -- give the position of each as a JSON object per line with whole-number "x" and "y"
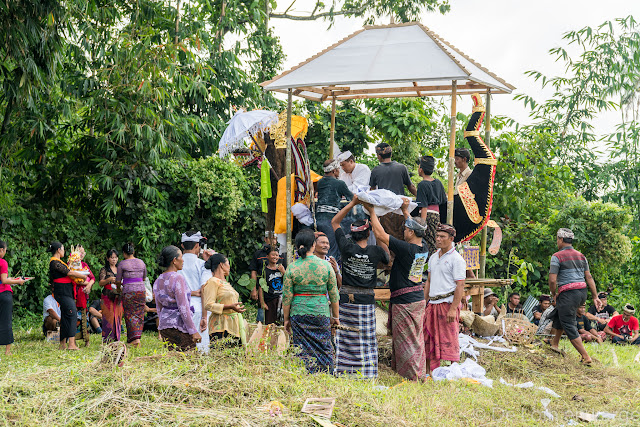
{"x": 288, "y": 179}
{"x": 333, "y": 127}
{"x": 452, "y": 150}
{"x": 487, "y": 141}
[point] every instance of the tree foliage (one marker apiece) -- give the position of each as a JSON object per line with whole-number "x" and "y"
{"x": 403, "y": 10}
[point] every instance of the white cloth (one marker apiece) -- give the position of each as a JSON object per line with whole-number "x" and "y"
{"x": 358, "y": 178}
{"x": 50, "y": 302}
{"x": 302, "y": 213}
{"x": 196, "y": 275}
{"x": 384, "y": 201}
{"x": 444, "y": 271}
{"x": 467, "y": 369}
{"x": 193, "y": 238}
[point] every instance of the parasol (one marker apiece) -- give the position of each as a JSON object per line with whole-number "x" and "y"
{"x": 245, "y": 124}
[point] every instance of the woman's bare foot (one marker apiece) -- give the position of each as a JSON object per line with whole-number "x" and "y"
{"x": 135, "y": 343}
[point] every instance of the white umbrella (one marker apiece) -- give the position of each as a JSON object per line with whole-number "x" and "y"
{"x": 244, "y": 124}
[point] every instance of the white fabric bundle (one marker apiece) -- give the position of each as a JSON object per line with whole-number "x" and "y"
{"x": 303, "y": 213}
{"x": 384, "y": 201}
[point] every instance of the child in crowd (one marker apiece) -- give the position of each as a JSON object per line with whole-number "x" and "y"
{"x": 273, "y": 272}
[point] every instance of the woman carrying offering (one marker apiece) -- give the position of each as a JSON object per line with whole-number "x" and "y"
{"x": 82, "y": 290}
{"x": 63, "y": 287}
{"x": 306, "y": 310}
{"x": 173, "y": 302}
{"x": 6, "y": 301}
{"x": 111, "y": 302}
{"x": 130, "y": 278}
{"x": 219, "y": 297}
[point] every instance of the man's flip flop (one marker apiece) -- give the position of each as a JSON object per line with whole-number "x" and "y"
{"x": 585, "y": 363}
{"x": 559, "y": 351}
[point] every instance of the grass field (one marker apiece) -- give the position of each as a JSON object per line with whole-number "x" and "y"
{"x": 40, "y": 385}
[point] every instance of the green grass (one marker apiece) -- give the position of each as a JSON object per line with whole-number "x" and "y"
{"x": 40, "y": 385}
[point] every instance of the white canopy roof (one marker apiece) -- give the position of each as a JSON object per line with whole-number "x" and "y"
{"x": 388, "y": 61}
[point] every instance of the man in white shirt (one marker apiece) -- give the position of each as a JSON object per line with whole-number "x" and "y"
{"x": 355, "y": 175}
{"x": 443, "y": 289}
{"x": 196, "y": 275}
{"x": 50, "y": 314}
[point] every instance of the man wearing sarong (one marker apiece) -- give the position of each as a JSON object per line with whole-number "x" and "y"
{"x": 330, "y": 191}
{"x": 569, "y": 276}
{"x": 407, "y": 292}
{"x": 357, "y": 351}
{"x": 393, "y": 176}
{"x": 443, "y": 289}
{"x": 196, "y": 276}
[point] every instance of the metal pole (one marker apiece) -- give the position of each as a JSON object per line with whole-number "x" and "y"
{"x": 487, "y": 141}
{"x": 333, "y": 127}
{"x": 288, "y": 180}
{"x": 452, "y": 150}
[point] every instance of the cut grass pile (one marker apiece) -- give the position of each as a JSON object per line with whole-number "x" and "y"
{"x": 40, "y": 385}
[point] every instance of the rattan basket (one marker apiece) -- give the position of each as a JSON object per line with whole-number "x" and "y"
{"x": 518, "y": 331}
{"x": 467, "y": 317}
{"x": 485, "y": 326}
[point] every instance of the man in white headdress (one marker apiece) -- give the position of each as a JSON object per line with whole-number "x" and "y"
{"x": 355, "y": 175}
{"x": 196, "y": 275}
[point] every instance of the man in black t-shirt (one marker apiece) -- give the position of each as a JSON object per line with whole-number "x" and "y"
{"x": 357, "y": 352}
{"x": 407, "y": 292}
{"x": 544, "y": 303}
{"x": 393, "y": 176}
{"x": 601, "y": 318}
{"x": 586, "y": 331}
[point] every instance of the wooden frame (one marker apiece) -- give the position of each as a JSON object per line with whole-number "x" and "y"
{"x": 403, "y": 88}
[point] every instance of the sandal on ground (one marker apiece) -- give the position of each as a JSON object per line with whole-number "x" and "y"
{"x": 559, "y": 351}
{"x": 583, "y": 362}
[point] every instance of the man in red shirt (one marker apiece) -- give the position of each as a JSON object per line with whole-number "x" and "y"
{"x": 624, "y": 327}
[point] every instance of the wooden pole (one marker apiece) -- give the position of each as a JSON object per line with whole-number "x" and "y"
{"x": 487, "y": 141}
{"x": 333, "y": 127}
{"x": 452, "y": 150}
{"x": 288, "y": 179}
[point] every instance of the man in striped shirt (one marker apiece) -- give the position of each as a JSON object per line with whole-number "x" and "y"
{"x": 569, "y": 276}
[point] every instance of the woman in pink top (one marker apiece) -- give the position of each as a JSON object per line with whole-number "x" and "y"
{"x": 6, "y": 301}
{"x": 130, "y": 280}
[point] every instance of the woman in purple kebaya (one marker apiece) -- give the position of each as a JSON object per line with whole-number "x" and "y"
{"x": 173, "y": 301}
{"x": 130, "y": 281}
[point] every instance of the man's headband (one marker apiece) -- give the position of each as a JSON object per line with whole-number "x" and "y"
{"x": 412, "y": 224}
{"x": 629, "y": 309}
{"x": 193, "y": 238}
{"x": 446, "y": 228}
{"x": 332, "y": 166}
{"x": 565, "y": 233}
{"x": 363, "y": 227}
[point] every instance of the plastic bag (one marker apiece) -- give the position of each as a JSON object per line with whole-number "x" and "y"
{"x": 147, "y": 290}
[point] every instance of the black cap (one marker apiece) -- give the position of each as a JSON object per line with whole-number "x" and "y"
{"x": 603, "y": 295}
